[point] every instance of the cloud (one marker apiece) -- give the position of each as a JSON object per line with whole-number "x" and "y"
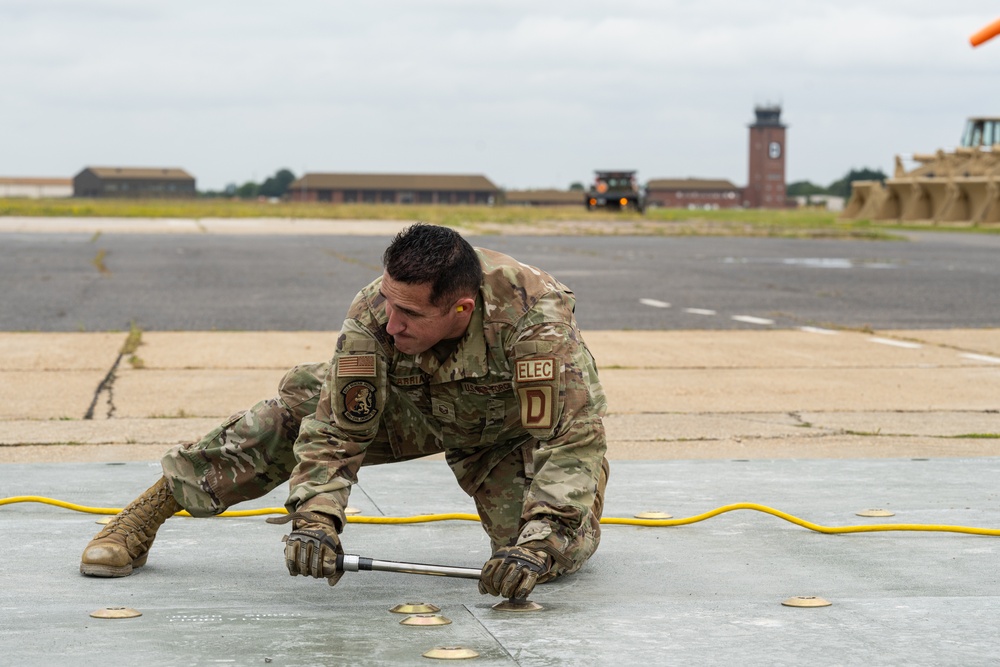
{"x": 530, "y": 94}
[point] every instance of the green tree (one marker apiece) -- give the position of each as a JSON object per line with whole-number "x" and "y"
{"x": 804, "y": 189}
{"x": 842, "y": 187}
{"x": 576, "y": 185}
{"x": 248, "y": 190}
{"x": 277, "y": 185}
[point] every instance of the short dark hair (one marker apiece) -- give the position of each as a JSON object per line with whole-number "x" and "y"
{"x": 434, "y": 255}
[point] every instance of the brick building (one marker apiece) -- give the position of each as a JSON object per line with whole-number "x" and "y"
{"x": 544, "y": 197}
{"x": 36, "y": 188}
{"x": 134, "y": 182}
{"x": 766, "y": 185}
{"x": 394, "y": 189}
{"x": 693, "y": 193}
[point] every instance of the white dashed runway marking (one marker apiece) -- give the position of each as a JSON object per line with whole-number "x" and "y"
{"x": 653, "y": 303}
{"x": 763, "y": 321}
{"x": 752, "y": 320}
{"x": 981, "y": 357}
{"x": 896, "y": 343}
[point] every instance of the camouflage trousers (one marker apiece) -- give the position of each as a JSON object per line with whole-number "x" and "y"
{"x": 251, "y": 454}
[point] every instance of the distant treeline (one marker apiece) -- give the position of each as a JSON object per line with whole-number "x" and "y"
{"x": 839, "y": 188}
{"x": 277, "y": 185}
{"x": 272, "y": 186}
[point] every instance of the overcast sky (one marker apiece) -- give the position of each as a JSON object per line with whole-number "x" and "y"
{"x": 530, "y": 94}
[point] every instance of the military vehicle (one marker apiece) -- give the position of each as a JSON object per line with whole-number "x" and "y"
{"x": 960, "y": 186}
{"x": 616, "y": 190}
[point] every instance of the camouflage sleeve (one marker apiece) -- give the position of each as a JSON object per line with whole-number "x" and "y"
{"x": 562, "y": 405}
{"x": 331, "y": 443}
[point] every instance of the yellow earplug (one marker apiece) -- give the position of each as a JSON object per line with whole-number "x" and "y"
{"x": 460, "y": 309}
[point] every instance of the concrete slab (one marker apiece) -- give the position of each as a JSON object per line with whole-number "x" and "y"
{"x": 59, "y": 351}
{"x": 216, "y": 590}
{"x": 809, "y": 445}
{"x": 706, "y": 426}
{"x": 149, "y": 393}
{"x": 776, "y": 396}
{"x": 76, "y": 452}
{"x": 713, "y": 426}
{"x": 941, "y": 424}
{"x": 982, "y": 341}
{"x": 277, "y": 350}
{"x": 146, "y": 393}
{"x": 760, "y": 349}
{"x": 47, "y": 394}
{"x": 103, "y": 431}
{"x": 652, "y": 428}
{"x": 794, "y": 389}
{"x": 818, "y": 446}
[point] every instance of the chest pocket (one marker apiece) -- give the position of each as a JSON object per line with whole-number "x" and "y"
{"x": 470, "y": 419}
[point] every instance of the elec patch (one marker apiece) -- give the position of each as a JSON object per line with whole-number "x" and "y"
{"x": 535, "y": 370}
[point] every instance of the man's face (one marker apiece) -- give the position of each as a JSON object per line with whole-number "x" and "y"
{"x": 415, "y": 324}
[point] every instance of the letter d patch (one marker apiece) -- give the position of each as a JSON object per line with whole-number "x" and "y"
{"x": 536, "y": 407}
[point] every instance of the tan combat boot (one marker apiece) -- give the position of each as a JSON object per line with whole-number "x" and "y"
{"x": 125, "y": 541}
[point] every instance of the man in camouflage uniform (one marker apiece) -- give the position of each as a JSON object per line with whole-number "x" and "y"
{"x": 454, "y": 349}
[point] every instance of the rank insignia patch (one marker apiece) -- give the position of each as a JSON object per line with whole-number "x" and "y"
{"x": 359, "y": 401}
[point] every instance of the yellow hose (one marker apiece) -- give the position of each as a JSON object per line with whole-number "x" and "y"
{"x": 621, "y": 521}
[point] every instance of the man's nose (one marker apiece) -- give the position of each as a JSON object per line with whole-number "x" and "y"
{"x": 395, "y": 324}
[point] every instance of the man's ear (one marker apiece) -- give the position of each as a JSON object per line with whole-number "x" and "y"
{"x": 465, "y": 304}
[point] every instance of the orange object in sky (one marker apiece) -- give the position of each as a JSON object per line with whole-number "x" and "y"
{"x": 987, "y": 33}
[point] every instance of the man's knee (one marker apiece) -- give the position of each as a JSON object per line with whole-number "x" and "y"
{"x": 300, "y": 387}
{"x": 185, "y": 473}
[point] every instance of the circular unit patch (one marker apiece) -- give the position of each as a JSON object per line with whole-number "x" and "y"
{"x": 359, "y": 401}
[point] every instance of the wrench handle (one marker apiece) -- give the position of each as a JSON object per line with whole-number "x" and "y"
{"x": 353, "y": 563}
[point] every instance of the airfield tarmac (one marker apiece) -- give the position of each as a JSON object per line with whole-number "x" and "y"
{"x": 816, "y": 421}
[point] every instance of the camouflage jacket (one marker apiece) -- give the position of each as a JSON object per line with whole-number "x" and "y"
{"x": 521, "y": 372}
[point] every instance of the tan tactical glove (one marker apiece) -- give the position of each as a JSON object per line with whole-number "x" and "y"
{"x": 312, "y": 547}
{"x": 513, "y": 571}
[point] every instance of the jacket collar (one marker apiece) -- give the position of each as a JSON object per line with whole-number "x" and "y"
{"x": 468, "y": 360}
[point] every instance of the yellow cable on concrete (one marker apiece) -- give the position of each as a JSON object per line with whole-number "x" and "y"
{"x": 829, "y": 530}
{"x": 652, "y": 523}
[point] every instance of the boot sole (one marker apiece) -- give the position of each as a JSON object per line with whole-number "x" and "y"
{"x": 92, "y": 570}
{"x": 107, "y": 571}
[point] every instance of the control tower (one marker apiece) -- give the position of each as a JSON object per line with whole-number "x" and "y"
{"x": 766, "y": 181}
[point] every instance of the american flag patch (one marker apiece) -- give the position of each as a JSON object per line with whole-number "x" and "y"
{"x": 356, "y": 365}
